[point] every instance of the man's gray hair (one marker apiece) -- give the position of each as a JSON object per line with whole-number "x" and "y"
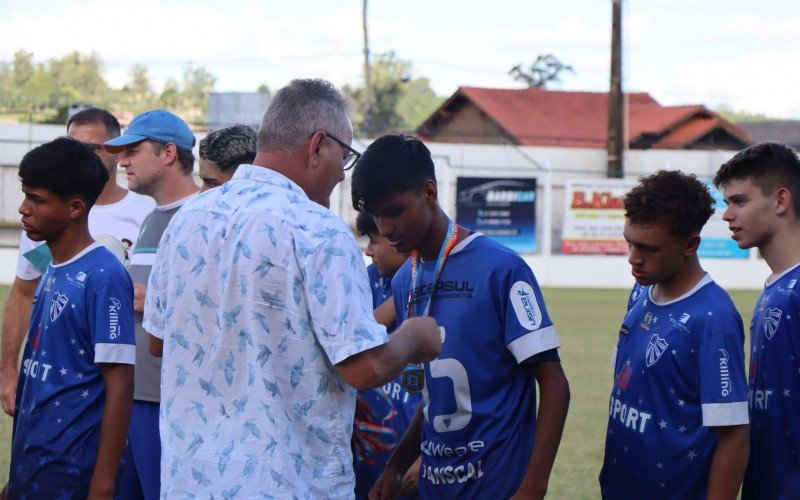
{"x": 300, "y": 109}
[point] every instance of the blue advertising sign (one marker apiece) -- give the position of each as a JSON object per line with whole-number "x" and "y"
{"x": 716, "y": 239}
{"x": 501, "y": 208}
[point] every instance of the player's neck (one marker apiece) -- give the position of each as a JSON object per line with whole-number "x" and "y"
{"x": 70, "y": 242}
{"x": 174, "y": 190}
{"x": 682, "y": 282}
{"x": 111, "y": 193}
{"x": 430, "y": 246}
{"x": 782, "y": 250}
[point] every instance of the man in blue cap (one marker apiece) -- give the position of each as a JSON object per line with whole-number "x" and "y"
{"x": 156, "y": 153}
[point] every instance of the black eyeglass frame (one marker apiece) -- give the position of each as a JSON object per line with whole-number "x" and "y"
{"x": 353, "y": 155}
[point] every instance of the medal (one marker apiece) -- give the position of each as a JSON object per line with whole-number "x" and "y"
{"x": 413, "y": 377}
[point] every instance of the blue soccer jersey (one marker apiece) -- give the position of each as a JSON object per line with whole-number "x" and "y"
{"x": 382, "y": 414}
{"x": 82, "y": 316}
{"x": 774, "y": 467}
{"x": 480, "y": 396}
{"x": 678, "y": 372}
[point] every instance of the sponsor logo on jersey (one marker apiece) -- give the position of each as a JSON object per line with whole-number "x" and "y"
{"x": 49, "y": 283}
{"x": 684, "y": 318}
{"x": 724, "y": 373}
{"x": 525, "y": 305}
{"x": 113, "y": 318}
{"x": 57, "y": 305}
{"x": 655, "y": 348}
{"x": 623, "y": 377}
{"x": 79, "y": 280}
{"x": 792, "y": 284}
{"x": 763, "y": 303}
{"x": 629, "y": 416}
{"x": 772, "y": 318}
{"x": 648, "y": 319}
{"x": 624, "y": 330}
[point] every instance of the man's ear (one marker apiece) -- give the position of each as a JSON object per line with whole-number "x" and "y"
{"x": 430, "y": 192}
{"x": 169, "y": 153}
{"x": 314, "y": 145}
{"x": 783, "y": 201}
{"x": 77, "y": 207}
{"x": 692, "y": 244}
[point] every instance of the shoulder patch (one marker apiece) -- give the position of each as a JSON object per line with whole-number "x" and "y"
{"x": 525, "y": 305}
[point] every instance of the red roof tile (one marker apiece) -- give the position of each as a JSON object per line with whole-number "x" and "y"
{"x": 537, "y": 117}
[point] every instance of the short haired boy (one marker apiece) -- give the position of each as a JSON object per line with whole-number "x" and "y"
{"x": 479, "y": 403}
{"x": 677, "y": 425}
{"x": 761, "y": 185}
{"x": 75, "y": 390}
{"x": 221, "y": 153}
{"x": 383, "y": 413}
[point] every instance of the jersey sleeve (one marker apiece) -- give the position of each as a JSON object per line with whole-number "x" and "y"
{"x": 723, "y": 384}
{"x": 111, "y": 320}
{"x": 32, "y": 258}
{"x": 528, "y": 328}
{"x": 339, "y": 299}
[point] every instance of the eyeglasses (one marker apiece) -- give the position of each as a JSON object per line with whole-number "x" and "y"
{"x": 352, "y": 155}
{"x": 93, "y": 146}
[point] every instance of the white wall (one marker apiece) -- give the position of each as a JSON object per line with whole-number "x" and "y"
{"x": 551, "y": 166}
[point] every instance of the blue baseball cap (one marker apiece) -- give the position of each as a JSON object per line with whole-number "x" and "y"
{"x": 157, "y": 125}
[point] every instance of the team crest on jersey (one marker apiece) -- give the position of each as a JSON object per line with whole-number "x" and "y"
{"x": 772, "y": 318}
{"x": 57, "y": 305}
{"x": 525, "y": 305}
{"x": 655, "y": 348}
{"x": 648, "y": 318}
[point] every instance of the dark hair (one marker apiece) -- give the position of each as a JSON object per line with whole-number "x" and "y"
{"x": 298, "y": 110}
{"x": 227, "y": 148}
{"x": 770, "y": 165}
{"x": 96, "y": 115}
{"x": 66, "y": 168}
{"x": 186, "y": 158}
{"x": 672, "y": 197}
{"x": 365, "y": 224}
{"x": 391, "y": 164}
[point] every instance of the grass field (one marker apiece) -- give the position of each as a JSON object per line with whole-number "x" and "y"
{"x": 587, "y": 322}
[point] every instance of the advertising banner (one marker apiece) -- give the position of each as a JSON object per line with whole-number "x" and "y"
{"x": 593, "y": 216}
{"x": 501, "y": 208}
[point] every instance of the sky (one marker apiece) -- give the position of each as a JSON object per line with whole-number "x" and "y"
{"x": 740, "y": 53}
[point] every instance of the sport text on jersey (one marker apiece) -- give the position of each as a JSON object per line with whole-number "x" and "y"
{"x": 449, "y": 474}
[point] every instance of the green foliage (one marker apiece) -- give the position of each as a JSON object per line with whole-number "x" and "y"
{"x": 741, "y": 116}
{"x": 544, "y": 70}
{"x": 399, "y": 103}
{"x": 44, "y": 90}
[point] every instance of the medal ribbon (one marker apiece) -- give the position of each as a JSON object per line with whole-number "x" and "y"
{"x": 416, "y": 277}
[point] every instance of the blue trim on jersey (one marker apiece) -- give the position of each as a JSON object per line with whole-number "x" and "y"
{"x": 774, "y": 467}
{"x": 679, "y": 369}
{"x": 82, "y": 315}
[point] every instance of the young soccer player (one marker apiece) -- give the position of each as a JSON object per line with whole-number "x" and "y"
{"x": 677, "y": 425}
{"x": 475, "y": 427}
{"x": 383, "y": 413}
{"x": 75, "y": 390}
{"x": 761, "y": 185}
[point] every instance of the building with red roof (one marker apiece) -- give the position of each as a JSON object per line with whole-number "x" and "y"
{"x": 538, "y": 117}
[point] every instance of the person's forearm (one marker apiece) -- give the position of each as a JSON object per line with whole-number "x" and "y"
{"x": 729, "y": 462}
{"x": 407, "y": 450}
{"x": 113, "y": 428}
{"x": 15, "y": 321}
{"x": 552, "y": 414}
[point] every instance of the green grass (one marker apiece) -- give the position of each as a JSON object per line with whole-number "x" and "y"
{"x": 587, "y": 322}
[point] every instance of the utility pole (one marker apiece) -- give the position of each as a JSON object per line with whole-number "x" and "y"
{"x": 615, "y": 102}
{"x": 367, "y": 104}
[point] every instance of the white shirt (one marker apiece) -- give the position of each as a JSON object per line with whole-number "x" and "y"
{"x": 115, "y": 222}
{"x": 257, "y": 292}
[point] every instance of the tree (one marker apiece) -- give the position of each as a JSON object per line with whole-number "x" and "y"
{"x": 741, "y": 116}
{"x": 23, "y": 67}
{"x": 397, "y": 101}
{"x": 197, "y": 85}
{"x": 542, "y": 72}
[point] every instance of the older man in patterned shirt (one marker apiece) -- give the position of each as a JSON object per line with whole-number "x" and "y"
{"x": 260, "y": 297}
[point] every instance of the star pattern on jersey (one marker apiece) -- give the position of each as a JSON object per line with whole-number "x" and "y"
{"x": 691, "y": 455}
{"x": 662, "y": 424}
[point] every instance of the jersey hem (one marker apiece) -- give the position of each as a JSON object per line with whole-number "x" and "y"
{"x": 115, "y": 353}
{"x": 533, "y": 343}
